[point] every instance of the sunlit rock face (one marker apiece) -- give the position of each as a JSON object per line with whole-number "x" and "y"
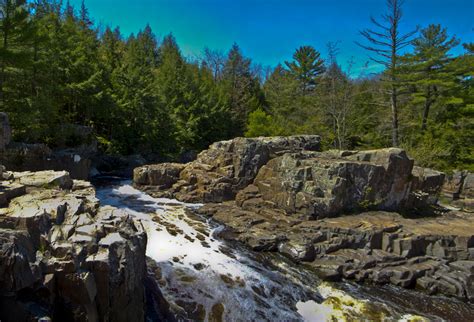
{"x": 221, "y": 171}
{"x": 288, "y": 173}
{"x": 327, "y": 184}
{"x": 63, "y": 256}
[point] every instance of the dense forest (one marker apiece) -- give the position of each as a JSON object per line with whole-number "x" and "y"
{"x": 140, "y": 94}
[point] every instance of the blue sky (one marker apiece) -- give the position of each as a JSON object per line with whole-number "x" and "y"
{"x": 268, "y": 31}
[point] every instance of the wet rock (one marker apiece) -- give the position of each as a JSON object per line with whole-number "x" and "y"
{"x": 194, "y": 311}
{"x": 162, "y": 175}
{"x": 217, "y": 313}
{"x": 298, "y": 252}
{"x": 227, "y": 279}
{"x": 198, "y": 266}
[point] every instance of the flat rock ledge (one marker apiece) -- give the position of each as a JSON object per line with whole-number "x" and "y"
{"x": 369, "y": 216}
{"x": 433, "y": 254}
{"x": 65, "y": 257}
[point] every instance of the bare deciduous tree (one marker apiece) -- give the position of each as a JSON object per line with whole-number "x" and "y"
{"x": 386, "y": 42}
{"x": 215, "y": 60}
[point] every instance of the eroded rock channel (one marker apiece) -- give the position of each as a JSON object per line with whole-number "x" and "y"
{"x": 366, "y": 216}
{"x": 266, "y": 229}
{"x": 204, "y": 277}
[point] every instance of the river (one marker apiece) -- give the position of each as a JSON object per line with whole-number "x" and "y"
{"x": 206, "y": 278}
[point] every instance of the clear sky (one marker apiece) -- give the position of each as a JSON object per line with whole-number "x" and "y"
{"x": 268, "y": 31}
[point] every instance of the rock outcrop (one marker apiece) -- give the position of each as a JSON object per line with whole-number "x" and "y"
{"x": 369, "y": 216}
{"x": 459, "y": 189}
{"x": 325, "y": 184}
{"x": 38, "y": 157}
{"x": 18, "y": 156}
{"x": 221, "y": 171}
{"x": 378, "y": 247}
{"x": 162, "y": 176}
{"x": 63, "y": 256}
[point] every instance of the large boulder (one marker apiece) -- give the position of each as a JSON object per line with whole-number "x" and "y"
{"x": 226, "y": 167}
{"x": 459, "y": 185}
{"x": 326, "y": 184}
{"x": 459, "y": 189}
{"x": 162, "y": 175}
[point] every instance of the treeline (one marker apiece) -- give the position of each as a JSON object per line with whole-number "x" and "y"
{"x": 141, "y": 95}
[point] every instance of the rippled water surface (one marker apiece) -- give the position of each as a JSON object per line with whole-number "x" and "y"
{"x": 205, "y": 278}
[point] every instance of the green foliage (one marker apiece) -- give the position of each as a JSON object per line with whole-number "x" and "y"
{"x": 141, "y": 95}
{"x": 306, "y": 67}
{"x": 241, "y": 90}
{"x": 262, "y": 124}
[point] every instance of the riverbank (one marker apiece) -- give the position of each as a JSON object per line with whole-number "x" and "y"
{"x": 204, "y": 276}
{"x": 367, "y": 216}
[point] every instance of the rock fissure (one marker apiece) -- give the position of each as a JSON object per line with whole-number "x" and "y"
{"x": 64, "y": 256}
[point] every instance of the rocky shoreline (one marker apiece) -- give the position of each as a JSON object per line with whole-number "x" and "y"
{"x": 64, "y": 257}
{"x": 368, "y": 216}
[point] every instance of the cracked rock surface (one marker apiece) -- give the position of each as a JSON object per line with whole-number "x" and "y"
{"x": 369, "y": 216}
{"x": 65, "y": 257}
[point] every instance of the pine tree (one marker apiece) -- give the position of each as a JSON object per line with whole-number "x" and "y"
{"x": 108, "y": 116}
{"x": 16, "y": 40}
{"x": 427, "y": 69}
{"x": 241, "y": 88}
{"x": 283, "y": 99}
{"x": 386, "y": 42}
{"x": 306, "y": 67}
{"x": 142, "y": 117}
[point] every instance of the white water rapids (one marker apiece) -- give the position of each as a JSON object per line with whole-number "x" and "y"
{"x": 210, "y": 277}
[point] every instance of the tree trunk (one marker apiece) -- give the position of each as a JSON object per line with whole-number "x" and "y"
{"x": 426, "y": 110}
{"x": 393, "y": 102}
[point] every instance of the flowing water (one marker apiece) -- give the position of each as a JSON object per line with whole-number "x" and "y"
{"x": 206, "y": 278}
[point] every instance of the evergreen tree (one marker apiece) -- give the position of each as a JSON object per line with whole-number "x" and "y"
{"x": 241, "y": 88}
{"x": 108, "y": 117}
{"x": 283, "y": 101}
{"x": 306, "y": 67}
{"x": 142, "y": 117}
{"x": 427, "y": 69}
{"x": 16, "y": 39}
{"x": 386, "y": 42}
{"x": 262, "y": 124}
